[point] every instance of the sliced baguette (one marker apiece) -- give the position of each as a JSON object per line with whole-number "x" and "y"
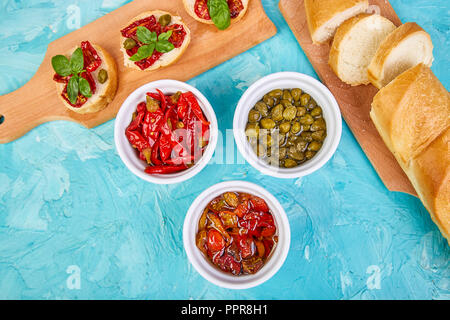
{"x": 354, "y": 45}
{"x": 167, "y": 58}
{"x": 325, "y": 16}
{"x": 404, "y": 48}
{"x": 189, "y": 5}
{"x": 104, "y": 93}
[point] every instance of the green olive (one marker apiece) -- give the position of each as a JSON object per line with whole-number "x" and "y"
{"x": 277, "y": 113}
{"x": 317, "y": 111}
{"x": 309, "y": 154}
{"x": 307, "y": 119}
{"x": 262, "y": 108}
{"x": 317, "y": 125}
{"x": 277, "y": 93}
{"x": 285, "y": 127}
{"x": 287, "y": 95}
{"x": 314, "y": 146}
{"x": 267, "y": 123}
{"x": 269, "y": 100}
{"x": 164, "y": 20}
{"x": 129, "y": 44}
{"x": 152, "y": 104}
{"x": 293, "y": 153}
{"x": 289, "y": 113}
{"x": 319, "y": 135}
{"x": 252, "y": 130}
{"x": 296, "y": 127}
{"x": 289, "y": 163}
{"x": 254, "y": 116}
{"x": 102, "y": 76}
{"x": 304, "y": 99}
{"x": 301, "y": 111}
{"x": 296, "y": 93}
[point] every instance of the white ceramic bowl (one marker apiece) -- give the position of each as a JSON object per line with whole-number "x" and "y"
{"x": 206, "y": 268}
{"x": 289, "y": 80}
{"x": 130, "y": 157}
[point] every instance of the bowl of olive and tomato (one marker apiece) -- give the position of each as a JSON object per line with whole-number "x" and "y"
{"x": 236, "y": 234}
{"x": 287, "y": 125}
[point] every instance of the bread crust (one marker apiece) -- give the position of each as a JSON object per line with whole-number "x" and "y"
{"x": 375, "y": 71}
{"x": 190, "y": 9}
{"x": 103, "y": 96}
{"x": 320, "y": 12}
{"x": 158, "y": 64}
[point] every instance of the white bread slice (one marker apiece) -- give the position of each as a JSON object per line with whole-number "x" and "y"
{"x": 167, "y": 58}
{"x": 404, "y": 48}
{"x": 104, "y": 93}
{"x": 354, "y": 45}
{"x": 189, "y": 5}
{"x": 325, "y": 16}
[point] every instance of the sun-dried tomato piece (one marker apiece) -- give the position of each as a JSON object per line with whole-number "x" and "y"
{"x": 178, "y": 34}
{"x": 91, "y": 58}
{"x": 259, "y": 204}
{"x": 215, "y": 241}
{"x": 201, "y": 9}
{"x": 236, "y": 7}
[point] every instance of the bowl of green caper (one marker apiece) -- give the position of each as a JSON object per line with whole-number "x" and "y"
{"x": 287, "y": 125}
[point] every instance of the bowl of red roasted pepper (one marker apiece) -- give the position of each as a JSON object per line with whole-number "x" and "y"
{"x": 236, "y": 235}
{"x": 166, "y": 132}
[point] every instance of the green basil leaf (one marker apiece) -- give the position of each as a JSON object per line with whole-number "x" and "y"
{"x": 143, "y": 52}
{"x": 61, "y": 65}
{"x": 220, "y": 13}
{"x": 145, "y": 36}
{"x": 85, "y": 87}
{"x": 164, "y": 46}
{"x": 165, "y": 35}
{"x": 77, "y": 61}
{"x": 72, "y": 89}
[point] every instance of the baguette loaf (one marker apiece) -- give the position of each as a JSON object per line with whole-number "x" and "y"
{"x": 325, "y": 16}
{"x": 354, "y": 45}
{"x": 412, "y": 115}
{"x": 404, "y": 48}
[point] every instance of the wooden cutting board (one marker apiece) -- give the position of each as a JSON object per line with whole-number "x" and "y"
{"x": 354, "y": 101}
{"x": 37, "y": 101}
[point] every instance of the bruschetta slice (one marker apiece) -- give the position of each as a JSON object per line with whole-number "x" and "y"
{"x": 86, "y": 78}
{"x": 154, "y": 39}
{"x": 200, "y": 11}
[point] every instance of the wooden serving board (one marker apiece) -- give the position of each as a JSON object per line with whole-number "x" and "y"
{"x": 38, "y": 102}
{"x": 354, "y": 102}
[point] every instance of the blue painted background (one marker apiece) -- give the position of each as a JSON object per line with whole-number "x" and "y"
{"x": 67, "y": 200}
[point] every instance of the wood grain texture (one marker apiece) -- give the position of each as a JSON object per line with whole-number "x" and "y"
{"x": 38, "y": 102}
{"x": 354, "y": 102}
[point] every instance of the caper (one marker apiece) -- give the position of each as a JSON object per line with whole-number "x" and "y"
{"x": 311, "y": 105}
{"x": 254, "y": 116}
{"x": 314, "y": 146}
{"x": 259, "y": 150}
{"x": 277, "y": 112}
{"x": 296, "y": 93}
{"x": 262, "y": 108}
{"x": 285, "y": 127}
{"x": 304, "y": 99}
{"x": 267, "y": 140}
{"x": 306, "y": 136}
{"x": 164, "y": 20}
{"x": 287, "y": 95}
{"x": 306, "y": 119}
{"x": 286, "y": 103}
{"x": 317, "y": 111}
{"x": 301, "y": 111}
{"x": 292, "y": 141}
{"x": 293, "y": 153}
{"x": 319, "y": 135}
{"x": 277, "y": 93}
{"x": 267, "y": 123}
{"x": 129, "y": 44}
{"x": 102, "y": 76}
{"x": 309, "y": 154}
{"x": 319, "y": 124}
{"x": 269, "y": 100}
{"x": 152, "y": 104}
{"x": 282, "y": 153}
{"x": 296, "y": 127}
{"x": 305, "y": 127}
{"x": 289, "y": 113}
{"x": 301, "y": 145}
{"x": 252, "y": 130}
{"x": 289, "y": 163}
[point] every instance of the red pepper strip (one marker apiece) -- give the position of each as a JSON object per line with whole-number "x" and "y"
{"x": 165, "y": 147}
{"x": 192, "y": 101}
{"x": 162, "y": 99}
{"x": 155, "y": 152}
{"x": 142, "y": 107}
{"x": 165, "y": 169}
{"x": 154, "y": 96}
{"x": 137, "y": 140}
{"x": 134, "y": 125}
{"x": 180, "y": 160}
{"x": 152, "y": 122}
{"x": 182, "y": 107}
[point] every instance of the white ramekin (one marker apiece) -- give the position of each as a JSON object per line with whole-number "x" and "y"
{"x": 206, "y": 268}
{"x": 289, "y": 80}
{"x": 129, "y": 155}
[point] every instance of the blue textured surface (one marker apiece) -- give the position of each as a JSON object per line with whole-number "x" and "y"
{"x": 67, "y": 201}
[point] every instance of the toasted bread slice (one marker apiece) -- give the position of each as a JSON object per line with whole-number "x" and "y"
{"x": 406, "y": 47}
{"x": 104, "y": 93}
{"x": 355, "y": 44}
{"x": 325, "y": 16}
{"x": 167, "y": 58}
{"x": 190, "y": 8}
